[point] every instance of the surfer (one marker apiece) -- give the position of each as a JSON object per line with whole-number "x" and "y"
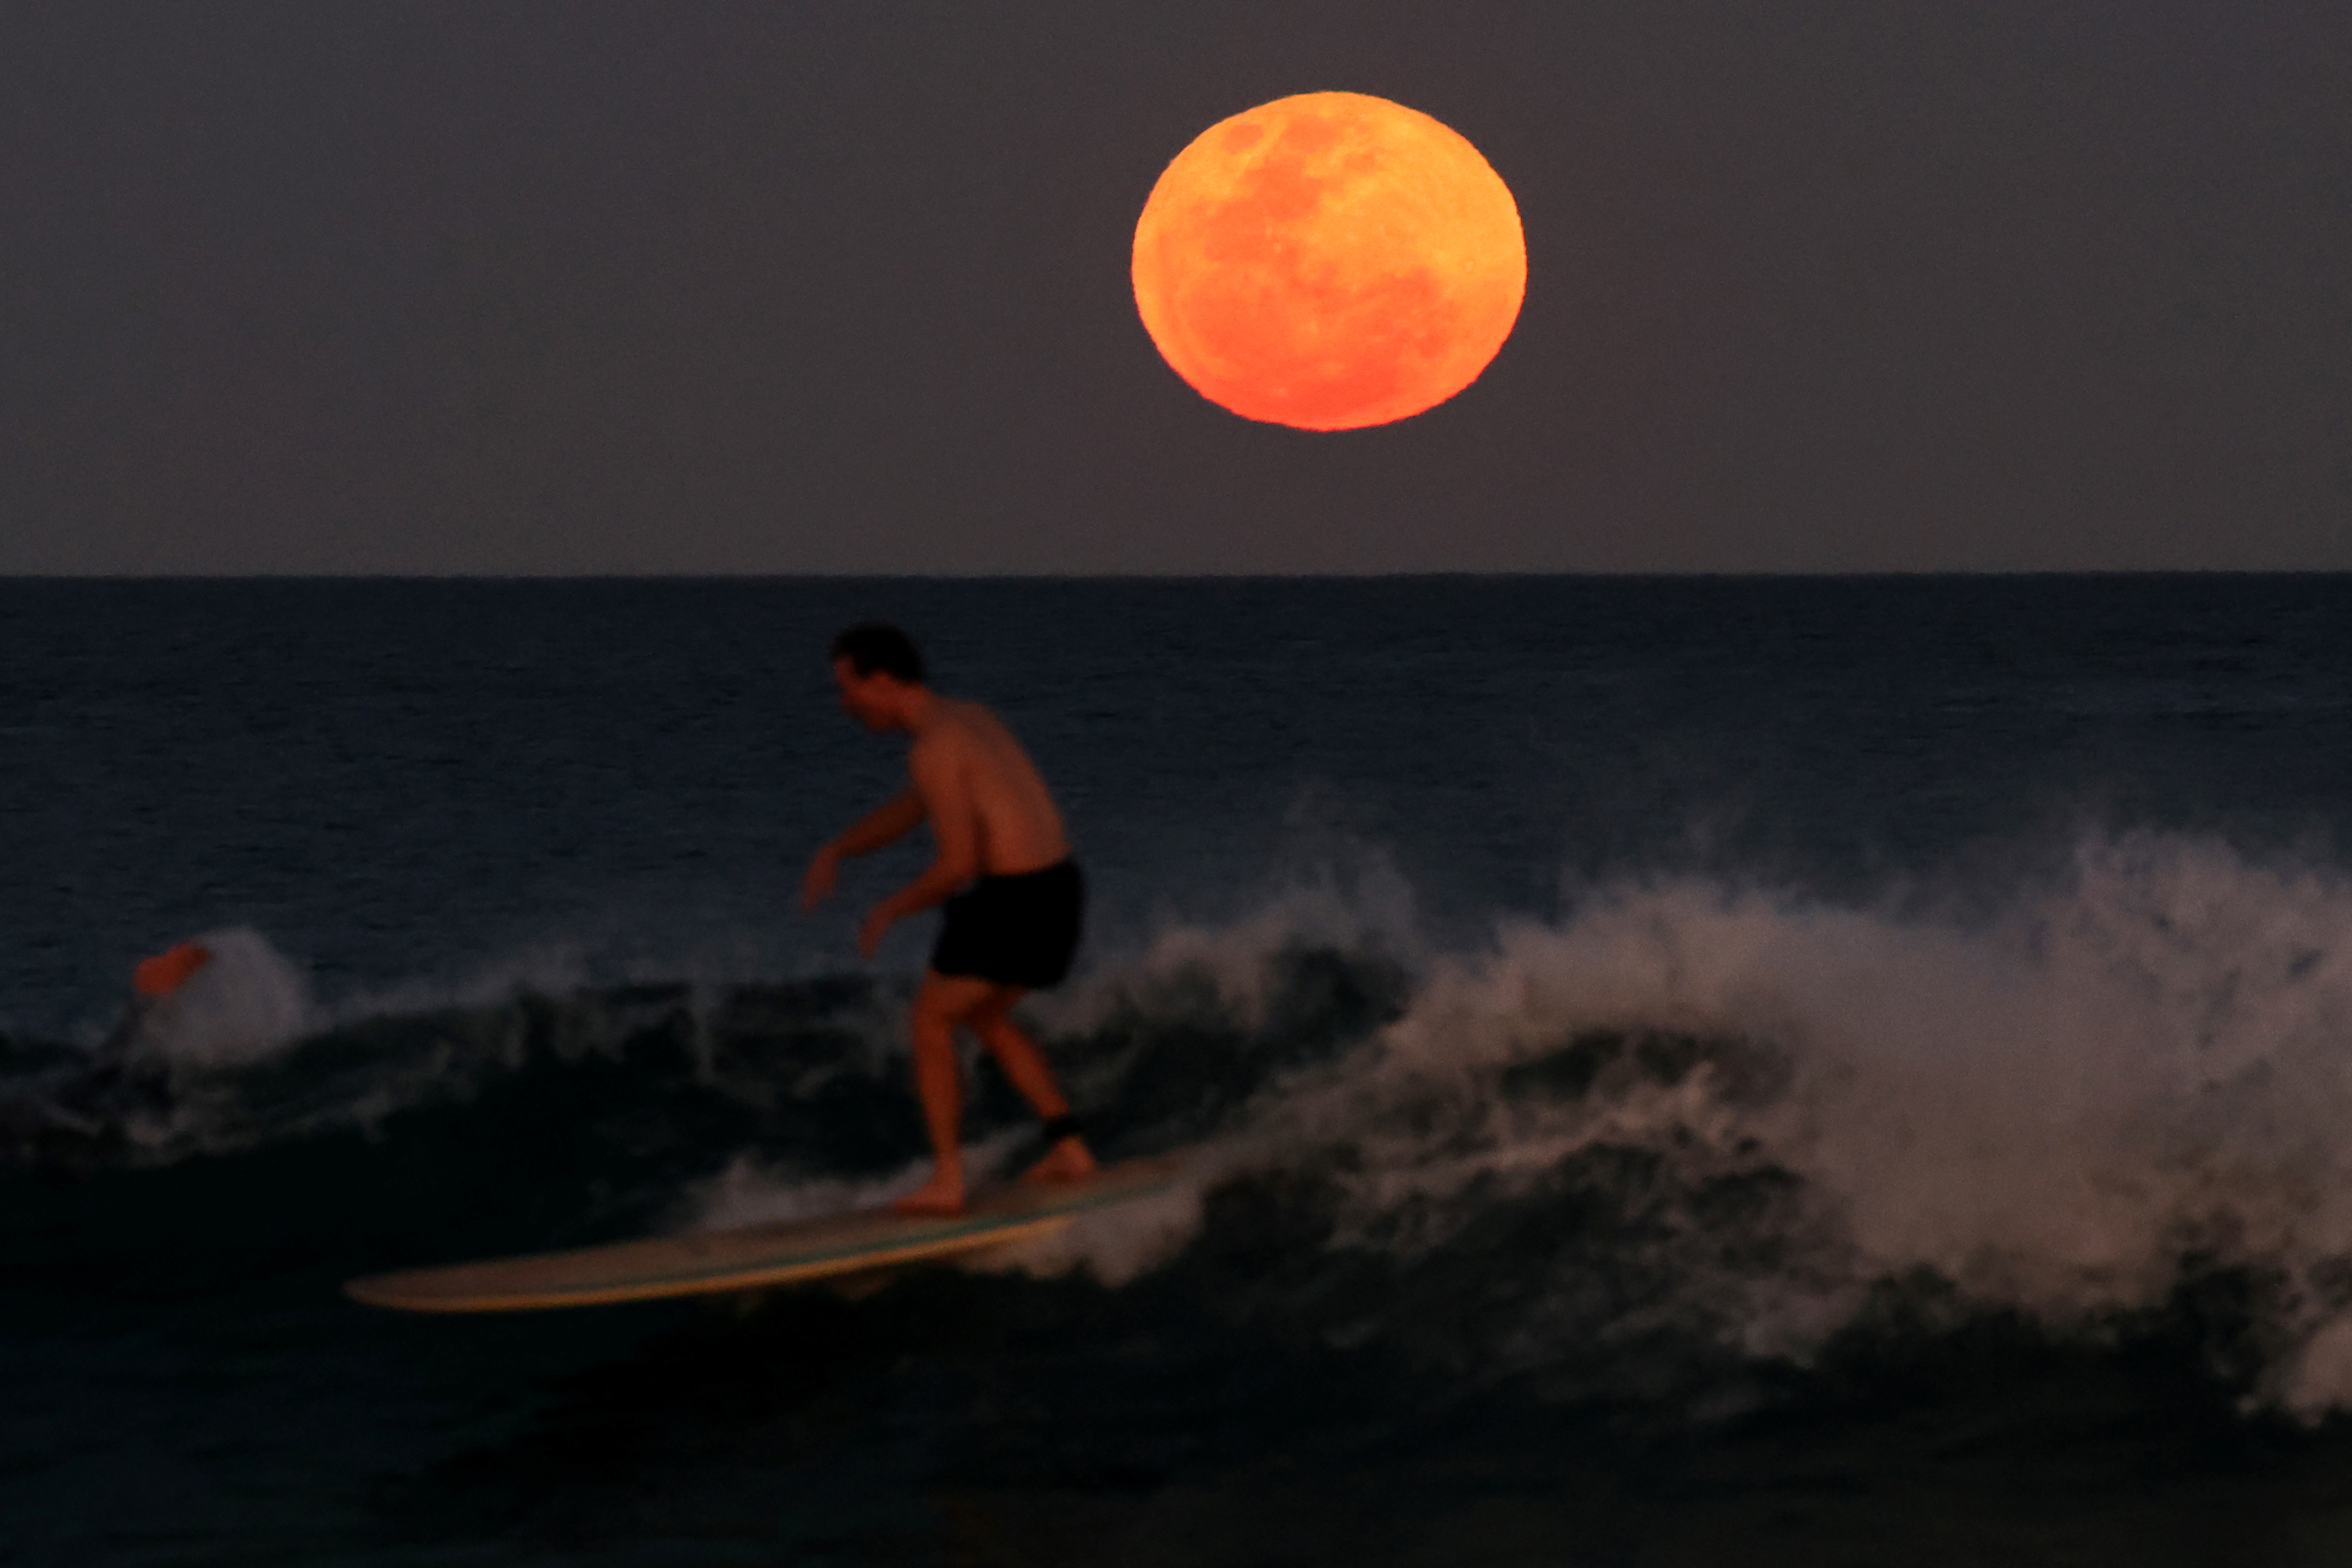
{"x": 1002, "y": 867}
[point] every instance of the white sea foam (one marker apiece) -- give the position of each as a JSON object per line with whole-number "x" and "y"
{"x": 1116, "y": 1245}
{"x": 2049, "y": 1105}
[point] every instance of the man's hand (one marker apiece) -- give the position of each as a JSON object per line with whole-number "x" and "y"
{"x": 871, "y": 930}
{"x": 824, "y": 869}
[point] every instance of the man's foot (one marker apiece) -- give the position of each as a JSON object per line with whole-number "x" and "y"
{"x": 942, "y": 1195}
{"x": 1066, "y": 1160}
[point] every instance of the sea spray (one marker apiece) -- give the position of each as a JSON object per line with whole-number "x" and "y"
{"x": 1728, "y": 1114}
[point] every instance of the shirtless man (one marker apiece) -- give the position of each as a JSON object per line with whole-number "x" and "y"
{"x": 1002, "y": 867}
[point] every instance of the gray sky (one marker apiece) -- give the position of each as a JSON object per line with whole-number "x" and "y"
{"x": 562, "y": 286}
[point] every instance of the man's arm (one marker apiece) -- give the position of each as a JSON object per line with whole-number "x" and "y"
{"x": 885, "y": 824}
{"x": 955, "y": 832}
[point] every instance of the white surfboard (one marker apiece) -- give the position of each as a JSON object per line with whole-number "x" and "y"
{"x": 785, "y": 1253}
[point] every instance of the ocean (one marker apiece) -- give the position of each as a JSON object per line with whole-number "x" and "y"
{"x": 1673, "y": 1071}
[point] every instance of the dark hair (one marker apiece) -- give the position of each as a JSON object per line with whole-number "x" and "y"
{"x": 874, "y": 645}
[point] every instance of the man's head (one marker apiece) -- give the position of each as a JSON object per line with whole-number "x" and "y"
{"x": 876, "y": 668}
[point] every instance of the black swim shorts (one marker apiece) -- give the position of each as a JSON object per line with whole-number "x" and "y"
{"x": 1015, "y": 931}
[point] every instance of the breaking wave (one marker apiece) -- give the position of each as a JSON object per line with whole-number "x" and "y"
{"x": 1687, "y": 1140}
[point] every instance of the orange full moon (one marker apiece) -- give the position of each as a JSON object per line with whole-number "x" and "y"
{"x": 1329, "y": 261}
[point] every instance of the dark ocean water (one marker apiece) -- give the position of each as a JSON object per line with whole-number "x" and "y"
{"x": 1760, "y": 1072}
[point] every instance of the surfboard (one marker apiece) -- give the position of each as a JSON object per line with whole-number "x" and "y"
{"x": 784, "y": 1253}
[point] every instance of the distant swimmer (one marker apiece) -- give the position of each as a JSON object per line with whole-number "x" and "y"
{"x": 92, "y": 1101}
{"x": 152, "y": 981}
{"x": 169, "y": 970}
{"x": 1014, "y": 899}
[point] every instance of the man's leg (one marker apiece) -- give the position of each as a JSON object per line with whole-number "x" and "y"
{"x": 943, "y": 1002}
{"x": 1024, "y": 1065}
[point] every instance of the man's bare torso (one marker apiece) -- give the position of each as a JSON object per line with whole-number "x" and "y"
{"x": 973, "y": 775}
